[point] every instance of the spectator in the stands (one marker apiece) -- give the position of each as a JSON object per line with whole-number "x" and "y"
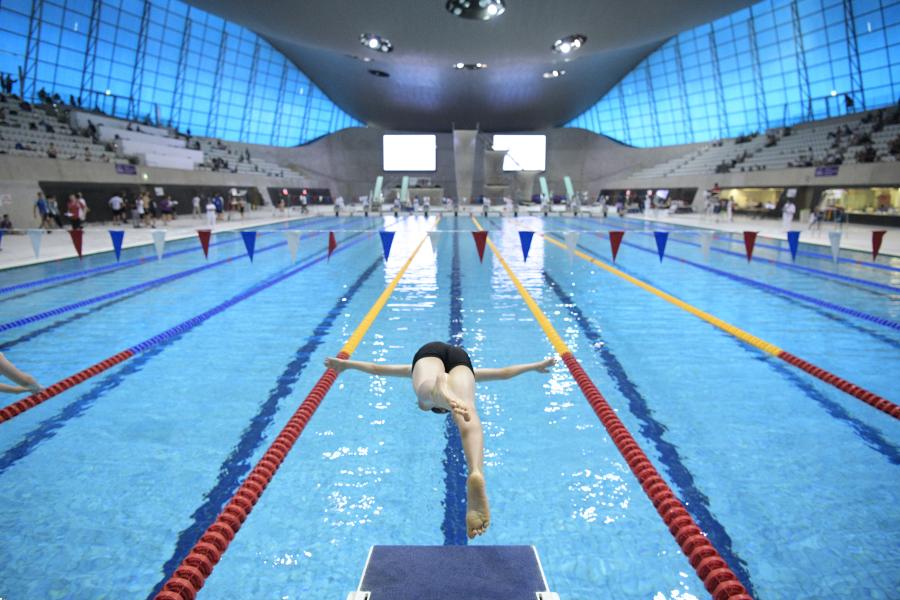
{"x": 87, "y": 154}
{"x": 21, "y": 146}
{"x": 867, "y": 154}
{"x": 51, "y": 151}
{"x": 5, "y": 223}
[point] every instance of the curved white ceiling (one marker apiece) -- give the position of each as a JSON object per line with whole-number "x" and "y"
{"x": 424, "y": 92}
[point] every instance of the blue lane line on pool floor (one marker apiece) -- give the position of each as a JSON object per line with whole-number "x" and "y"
{"x": 47, "y": 429}
{"x": 237, "y": 464}
{"x": 454, "y": 461}
{"x": 854, "y": 282}
{"x": 695, "y": 500}
{"x": 868, "y": 434}
{"x": 774, "y": 289}
{"x": 68, "y": 278}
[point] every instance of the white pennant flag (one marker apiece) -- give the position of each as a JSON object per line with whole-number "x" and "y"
{"x": 293, "y": 242}
{"x": 835, "y": 237}
{"x": 434, "y": 237}
{"x": 159, "y": 240}
{"x": 706, "y": 238}
{"x": 36, "y": 235}
{"x": 571, "y": 239}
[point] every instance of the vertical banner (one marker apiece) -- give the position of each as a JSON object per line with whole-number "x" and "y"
{"x": 77, "y": 236}
{"x": 877, "y": 237}
{"x": 204, "y": 235}
{"x": 794, "y": 243}
{"x": 36, "y": 235}
{"x": 749, "y": 242}
{"x": 525, "y": 238}
{"x": 159, "y": 240}
{"x": 376, "y": 191}
{"x": 387, "y": 239}
{"x": 571, "y": 240}
{"x": 544, "y": 190}
{"x": 570, "y": 191}
{"x": 117, "y": 236}
{"x": 706, "y": 238}
{"x": 332, "y": 244}
{"x": 661, "y": 238}
{"x": 293, "y": 243}
{"x": 249, "y": 242}
{"x": 480, "y": 238}
{"x": 615, "y": 240}
{"x": 835, "y": 238}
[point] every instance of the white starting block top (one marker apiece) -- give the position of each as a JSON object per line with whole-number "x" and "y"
{"x": 453, "y": 573}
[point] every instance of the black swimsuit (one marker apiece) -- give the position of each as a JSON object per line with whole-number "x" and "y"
{"x": 451, "y": 356}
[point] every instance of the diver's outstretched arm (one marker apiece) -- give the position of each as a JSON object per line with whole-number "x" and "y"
{"x": 339, "y": 364}
{"x": 513, "y": 370}
{"x": 25, "y": 380}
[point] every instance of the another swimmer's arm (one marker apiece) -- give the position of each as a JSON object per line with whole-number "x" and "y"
{"x": 513, "y": 370}
{"x": 339, "y": 364}
{"x": 12, "y": 389}
{"x": 9, "y": 370}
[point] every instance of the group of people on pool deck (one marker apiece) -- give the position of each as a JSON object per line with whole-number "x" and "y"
{"x": 443, "y": 380}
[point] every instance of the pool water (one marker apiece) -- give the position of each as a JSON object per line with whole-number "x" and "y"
{"x": 104, "y": 488}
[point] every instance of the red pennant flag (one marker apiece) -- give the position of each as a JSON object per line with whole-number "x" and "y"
{"x": 332, "y": 243}
{"x": 877, "y": 236}
{"x": 615, "y": 239}
{"x": 77, "y": 236}
{"x": 204, "y": 235}
{"x": 480, "y": 241}
{"x": 749, "y": 241}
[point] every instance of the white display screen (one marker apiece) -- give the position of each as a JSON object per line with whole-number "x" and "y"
{"x": 524, "y": 152}
{"x": 410, "y": 152}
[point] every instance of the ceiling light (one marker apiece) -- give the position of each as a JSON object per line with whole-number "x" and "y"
{"x": 554, "y": 73}
{"x": 480, "y": 10}
{"x": 569, "y": 43}
{"x": 470, "y": 66}
{"x": 375, "y": 42}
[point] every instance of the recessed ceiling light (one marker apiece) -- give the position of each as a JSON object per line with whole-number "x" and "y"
{"x": 569, "y": 43}
{"x": 479, "y": 10}
{"x": 378, "y": 73}
{"x": 362, "y": 58}
{"x": 554, "y": 73}
{"x": 375, "y": 42}
{"x": 469, "y": 66}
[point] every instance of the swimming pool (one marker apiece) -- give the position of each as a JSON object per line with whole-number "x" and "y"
{"x": 104, "y": 488}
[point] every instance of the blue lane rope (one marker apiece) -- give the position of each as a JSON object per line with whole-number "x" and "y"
{"x": 116, "y": 266}
{"x": 826, "y": 274}
{"x": 778, "y": 290}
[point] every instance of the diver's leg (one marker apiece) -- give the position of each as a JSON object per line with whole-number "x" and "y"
{"x": 461, "y": 382}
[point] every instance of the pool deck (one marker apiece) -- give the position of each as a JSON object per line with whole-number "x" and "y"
{"x": 855, "y": 237}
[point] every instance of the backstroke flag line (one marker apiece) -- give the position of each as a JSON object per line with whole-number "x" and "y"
{"x": 749, "y": 241}
{"x": 480, "y": 238}
{"x": 706, "y": 238}
{"x": 877, "y": 237}
{"x": 77, "y": 236}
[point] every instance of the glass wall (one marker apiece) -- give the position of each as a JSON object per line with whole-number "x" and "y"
{"x": 165, "y": 59}
{"x": 775, "y": 63}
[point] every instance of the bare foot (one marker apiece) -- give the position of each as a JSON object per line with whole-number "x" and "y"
{"x": 478, "y": 515}
{"x": 442, "y": 391}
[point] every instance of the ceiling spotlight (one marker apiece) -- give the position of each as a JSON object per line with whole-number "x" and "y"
{"x": 469, "y": 66}
{"x": 569, "y": 43}
{"x": 375, "y": 42}
{"x": 554, "y": 73}
{"x": 479, "y": 10}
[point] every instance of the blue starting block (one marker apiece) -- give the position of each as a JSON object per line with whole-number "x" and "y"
{"x": 453, "y": 573}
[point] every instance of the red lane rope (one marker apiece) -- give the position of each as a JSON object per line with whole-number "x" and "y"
{"x": 17, "y": 408}
{"x": 719, "y": 580}
{"x": 197, "y": 566}
{"x": 870, "y": 398}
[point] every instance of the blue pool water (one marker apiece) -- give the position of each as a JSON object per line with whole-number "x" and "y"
{"x": 104, "y": 488}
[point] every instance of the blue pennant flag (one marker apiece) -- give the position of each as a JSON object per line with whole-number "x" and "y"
{"x": 794, "y": 243}
{"x": 387, "y": 238}
{"x": 525, "y": 237}
{"x": 661, "y": 238}
{"x": 249, "y": 242}
{"x": 117, "y": 236}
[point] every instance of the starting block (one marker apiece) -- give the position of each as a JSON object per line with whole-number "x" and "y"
{"x": 453, "y": 573}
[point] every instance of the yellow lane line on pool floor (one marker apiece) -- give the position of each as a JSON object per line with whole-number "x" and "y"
{"x": 363, "y": 327}
{"x": 712, "y": 320}
{"x": 558, "y": 344}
